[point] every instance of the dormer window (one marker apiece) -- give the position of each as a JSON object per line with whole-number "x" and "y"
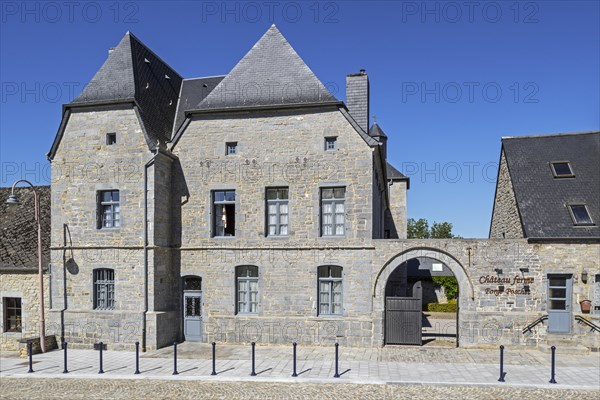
{"x": 111, "y": 138}
{"x": 562, "y": 169}
{"x": 580, "y": 214}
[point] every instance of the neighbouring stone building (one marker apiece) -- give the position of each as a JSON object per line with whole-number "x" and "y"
{"x": 19, "y": 278}
{"x": 256, "y": 206}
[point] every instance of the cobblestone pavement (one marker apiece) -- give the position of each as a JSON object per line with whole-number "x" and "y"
{"x": 74, "y": 389}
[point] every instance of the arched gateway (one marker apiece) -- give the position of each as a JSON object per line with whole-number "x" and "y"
{"x": 392, "y": 269}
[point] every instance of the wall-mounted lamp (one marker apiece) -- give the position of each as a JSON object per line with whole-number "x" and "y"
{"x": 501, "y": 288}
{"x": 524, "y": 269}
{"x": 584, "y": 277}
{"x": 526, "y": 288}
{"x": 498, "y": 271}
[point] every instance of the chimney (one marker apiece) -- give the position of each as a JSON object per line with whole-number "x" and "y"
{"x": 357, "y": 98}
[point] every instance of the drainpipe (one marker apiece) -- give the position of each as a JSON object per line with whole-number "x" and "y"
{"x": 144, "y": 321}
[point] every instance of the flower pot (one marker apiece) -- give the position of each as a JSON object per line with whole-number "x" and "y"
{"x": 586, "y": 305}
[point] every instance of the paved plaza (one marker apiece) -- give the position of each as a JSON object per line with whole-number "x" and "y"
{"x": 390, "y": 372}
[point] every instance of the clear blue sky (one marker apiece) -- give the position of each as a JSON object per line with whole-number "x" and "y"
{"x": 448, "y": 79}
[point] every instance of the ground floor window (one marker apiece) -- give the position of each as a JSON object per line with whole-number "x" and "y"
{"x": 104, "y": 289}
{"x": 247, "y": 289}
{"x": 330, "y": 290}
{"x": 12, "y": 314}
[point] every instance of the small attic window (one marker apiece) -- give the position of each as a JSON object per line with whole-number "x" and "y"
{"x": 111, "y": 138}
{"x": 330, "y": 143}
{"x": 231, "y": 148}
{"x": 580, "y": 214}
{"x": 562, "y": 169}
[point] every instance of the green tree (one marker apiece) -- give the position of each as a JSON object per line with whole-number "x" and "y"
{"x": 419, "y": 229}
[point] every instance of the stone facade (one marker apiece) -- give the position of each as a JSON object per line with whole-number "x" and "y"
{"x": 23, "y": 285}
{"x": 506, "y": 221}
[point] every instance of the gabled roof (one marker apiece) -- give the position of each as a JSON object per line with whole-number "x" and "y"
{"x": 133, "y": 73}
{"x": 193, "y": 91}
{"x": 270, "y": 74}
{"x": 18, "y": 230}
{"x": 543, "y": 199}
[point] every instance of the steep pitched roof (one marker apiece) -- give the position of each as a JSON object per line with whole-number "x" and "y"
{"x": 541, "y": 198}
{"x": 271, "y": 73}
{"x": 18, "y": 230}
{"x": 376, "y": 131}
{"x": 132, "y": 72}
{"x": 193, "y": 91}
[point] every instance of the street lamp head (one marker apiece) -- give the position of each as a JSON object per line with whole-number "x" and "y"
{"x": 13, "y": 200}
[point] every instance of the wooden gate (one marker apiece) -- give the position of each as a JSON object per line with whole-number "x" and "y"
{"x": 403, "y": 318}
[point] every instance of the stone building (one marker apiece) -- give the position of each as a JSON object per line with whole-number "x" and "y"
{"x": 19, "y": 278}
{"x": 255, "y": 206}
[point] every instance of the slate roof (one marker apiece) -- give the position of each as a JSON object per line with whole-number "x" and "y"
{"x": 376, "y": 131}
{"x": 18, "y": 230}
{"x": 133, "y": 72}
{"x": 270, "y": 74}
{"x": 395, "y": 175}
{"x": 542, "y": 199}
{"x": 193, "y": 91}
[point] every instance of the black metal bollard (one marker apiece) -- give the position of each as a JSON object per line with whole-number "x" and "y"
{"x": 65, "y": 371}
{"x": 294, "y": 374}
{"x": 137, "y": 358}
{"x": 175, "y": 359}
{"x": 214, "y": 345}
{"x": 253, "y": 371}
{"x": 552, "y": 380}
{"x": 30, "y": 352}
{"x": 337, "y": 372}
{"x": 101, "y": 371}
{"x": 501, "y": 379}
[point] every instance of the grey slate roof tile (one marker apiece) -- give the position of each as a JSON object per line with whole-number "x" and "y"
{"x": 133, "y": 72}
{"x": 271, "y": 73}
{"x": 542, "y": 199}
{"x": 193, "y": 91}
{"x": 18, "y": 230}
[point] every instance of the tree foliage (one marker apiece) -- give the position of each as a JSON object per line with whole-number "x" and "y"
{"x": 419, "y": 229}
{"x": 450, "y": 285}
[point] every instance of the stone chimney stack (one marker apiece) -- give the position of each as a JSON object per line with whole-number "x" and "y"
{"x": 357, "y": 98}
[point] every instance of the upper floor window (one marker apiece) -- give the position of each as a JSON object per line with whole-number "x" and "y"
{"x": 224, "y": 213}
{"x": 246, "y": 289}
{"x": 104, "y": 289}
{"x": 111, "y": 138}
{"x": 580, "y": 214}
{"x": 331, "y": 143}
{"x": 231, "y": 148}
{"x": 330, "y": 290}
{"x": 562, "y": 169}
{"x": 109, "y": 210}
{"x": 277, "y": 211}
{"x": 12, "y": 314}
{"x": 332, "y": 211}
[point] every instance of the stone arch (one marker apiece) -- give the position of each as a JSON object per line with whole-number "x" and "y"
{"x": 466, "y": 289}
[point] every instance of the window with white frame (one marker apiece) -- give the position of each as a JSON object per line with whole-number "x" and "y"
{"x": 330, "y": 290}
{"x": 333, "y": 211}
{"x": 224, "y": 213}
{"x": 246, "y": 289}
{"x": 104, "y": 289}
{"x": 277, "y": 211}
{"x": 580, "y": 214}
{"x": 330, "y": 143}
{"x": 12, "y": 314}
{"x": 231, "y": 148}
{"x": 109, "y": 209}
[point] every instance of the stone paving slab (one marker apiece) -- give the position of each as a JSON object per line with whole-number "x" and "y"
{"x": 316, "y": 365}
